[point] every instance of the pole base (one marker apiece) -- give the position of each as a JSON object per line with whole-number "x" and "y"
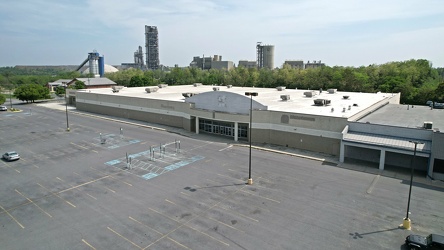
{"x": 68, "y": 129}
{"x": 407, "y": 224}
{"x": 250, "y": 182}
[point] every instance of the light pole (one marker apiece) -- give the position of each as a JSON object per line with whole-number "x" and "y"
{"x": 66, "y": 106}
{"x": 406, "y": 224}
{"x": 251, "y": 94}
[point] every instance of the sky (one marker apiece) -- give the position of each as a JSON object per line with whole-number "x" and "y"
{"x": 339, "y": 33}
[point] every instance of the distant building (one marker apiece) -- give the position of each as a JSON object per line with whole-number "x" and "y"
{"x": 222, "y": 65}
{"x": 215, "y": 62}
{"x": 202, "y": 62}
{"x": 298, "y": 64}
{"x": 152, "y": 47}
{"x": 247, "y": 64}
{"x": 138, "y": 61}
{"x": 265, "y": 56}
{"x": 314, "y": 64}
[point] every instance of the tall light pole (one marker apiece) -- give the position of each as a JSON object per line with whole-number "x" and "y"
{"x": 407, "y": 224}
{"x": 251, "y": 94}
{"x": 66, "y": 106}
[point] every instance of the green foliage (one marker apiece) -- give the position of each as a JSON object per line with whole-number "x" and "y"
{"x": 31, "y": 92}
{"x": 2, "y": 98}
{"x": 79, "y": 85}
{"x": 417, "y": 80}
{"x": 60, "y": 91}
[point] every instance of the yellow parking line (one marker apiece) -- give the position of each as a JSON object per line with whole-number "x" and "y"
{"x": 263, "y": 197}
{"x": 16, "y": 221}
{"x": 123, "y": 237}
{"x": 32, "y": 202}
{"x": 171, "y": 218}
{"x": 110, "y": 190}
{"x": 239, "y": 214}
{"x": 207, "y": 235}
{"x": 79, "y": 146}
{"x": 131, "y": 218}
{"x": 57, "y": 195}
{"x": 91, "y": 196}
{"x": 84, "y": 241}
{"x": 225, "y": 224}
{"x": 178, "y": 243}
{"x": 170, "y": 202}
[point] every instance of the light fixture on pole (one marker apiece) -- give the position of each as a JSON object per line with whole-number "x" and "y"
{"x": 251, "y": 94}
{"x": 66, "y": 106}
{"x": 406, "y": 224}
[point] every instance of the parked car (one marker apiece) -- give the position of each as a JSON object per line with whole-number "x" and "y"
{"x": 3, "y": 108}
{"x": 432, "y": 241}
{"x": 11, "y": 156}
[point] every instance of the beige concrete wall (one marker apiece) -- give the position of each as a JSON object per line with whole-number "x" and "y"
{"x": 297, "y": 140}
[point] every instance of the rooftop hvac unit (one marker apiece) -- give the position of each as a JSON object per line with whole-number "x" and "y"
{"x": 188, "y": 94}
{"x": 229, "y": 86}
{"x": 346, "y": 97}
{"x": 151, "y": 89}
{"x": 428, "y": 125}
{"x": 332, "y": 91}
{"x": 215, "y": 88}
{"x": 162, "y": 85}
{"x": 197, "y": 84}
{"x": 280, "y": 88}
{"x": 116, "y": 88}
{"x": 321, "y": 102}
{"x": 309, "y": 93}
{"x": 285, "y": 97}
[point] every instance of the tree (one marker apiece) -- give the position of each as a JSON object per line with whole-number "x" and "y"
{"x": 2, "y": 98}
{"x": 31, "y": 92}
{"x": 60, "y": 90}
{"x": 78, "y": 85}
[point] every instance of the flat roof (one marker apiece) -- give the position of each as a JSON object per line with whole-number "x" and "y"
{"x": 270, "y": 97}
{"x": 410, "y": 116}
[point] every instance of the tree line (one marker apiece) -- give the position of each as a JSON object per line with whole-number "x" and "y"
{"x": 417, "y": 80}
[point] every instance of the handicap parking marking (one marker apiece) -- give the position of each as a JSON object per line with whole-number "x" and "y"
{"x": 113, "y": 162}
{"x": 149, "y": 176}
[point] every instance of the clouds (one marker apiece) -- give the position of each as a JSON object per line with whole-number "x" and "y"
{"x": 300, "y": 29}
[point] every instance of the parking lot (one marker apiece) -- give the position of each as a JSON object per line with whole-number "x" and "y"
{"x": 112, "y": 185}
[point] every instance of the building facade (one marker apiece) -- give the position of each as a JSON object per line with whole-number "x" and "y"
{"x": 280, "y": 116}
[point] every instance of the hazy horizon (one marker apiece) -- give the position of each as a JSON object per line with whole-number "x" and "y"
{"x": 343, "y": 33}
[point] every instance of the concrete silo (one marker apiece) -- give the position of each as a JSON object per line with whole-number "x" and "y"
{"x": 265, "y": 56}
{"x": 152, "y": 47}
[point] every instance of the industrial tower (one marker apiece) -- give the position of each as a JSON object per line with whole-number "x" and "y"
{"x": 265, "y": 56}
{"x": 152, "y": 47}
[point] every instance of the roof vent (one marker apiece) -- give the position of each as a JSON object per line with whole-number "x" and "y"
{"x": 346, "y": 97}
{"x": 215, "y": 88}
{"x": 280, "y": 88}
{"x": 197, "y": 84}
{"x": 151, "y": 89}
{"x": 428, "y": 125}
{"x": 186, "y": 95}
{"x": 322, "y": 102}
{"x": 285, "y": 97}
{"x": 116, "y": 88}
{"x": 309, "y": 93}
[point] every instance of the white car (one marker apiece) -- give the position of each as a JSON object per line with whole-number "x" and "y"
{"x": 3, "y": 108}
{"x": 11, "y": 156}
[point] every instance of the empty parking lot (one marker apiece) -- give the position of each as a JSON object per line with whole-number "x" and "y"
{"x": 72, "y": 190}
